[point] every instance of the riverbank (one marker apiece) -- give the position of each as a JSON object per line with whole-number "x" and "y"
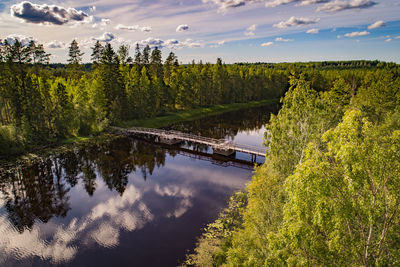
{"x": 193, "y": 114}
{"x": 29, "y": 153}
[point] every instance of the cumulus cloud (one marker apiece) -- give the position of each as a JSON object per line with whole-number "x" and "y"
{"x": 339, "y": 5}
{"x": 47, "y": 14}
{"x": 182, "y": 28}
{"x": 313, "y": 31}
{"x": 24, "y": 40}
{"x": 267, "y": 44}
{"x": 377, "y": 24}
{"x": 105, "y": 37}
{"x": 356, "y": 34}
{"x": 293, "y": 21}
{"x": 56, "y": 44}
{"x": 280, "y": 39}
{"x": 133, "y": 28}
{"x": 250, "y": 30}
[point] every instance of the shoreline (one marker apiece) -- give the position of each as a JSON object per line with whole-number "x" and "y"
{"x": 193, "y": 114}
{"x": 33, "y": 153}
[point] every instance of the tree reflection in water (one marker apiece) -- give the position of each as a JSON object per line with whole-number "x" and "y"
{"x": 40, "y": 191}
{"x": 43, "y": 200}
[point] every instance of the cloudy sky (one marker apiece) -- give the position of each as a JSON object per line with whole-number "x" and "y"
{"x": 235, "y": 30}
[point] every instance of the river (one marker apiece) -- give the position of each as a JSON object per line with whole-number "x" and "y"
{"x": 124, "y": 202}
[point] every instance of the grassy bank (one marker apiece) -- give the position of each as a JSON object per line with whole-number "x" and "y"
{"x": 193, "y": 114}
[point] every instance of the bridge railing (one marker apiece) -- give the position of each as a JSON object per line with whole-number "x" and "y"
{"x": 215, "y": 143}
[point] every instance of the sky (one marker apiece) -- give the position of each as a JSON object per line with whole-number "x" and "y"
{"x": 234, "y": 30}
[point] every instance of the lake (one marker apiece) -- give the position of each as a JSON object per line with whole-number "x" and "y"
{"x": 124, "y": 201}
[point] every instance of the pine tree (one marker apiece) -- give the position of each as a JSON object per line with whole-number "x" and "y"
{"x": 156, "y": 67}
{"x": 138, "y": 57}
{"x": 146, "y": 55}
{"x": 97, "y": 52}
{"x": 123, "y": 55}
{"x": 75, "y": 54}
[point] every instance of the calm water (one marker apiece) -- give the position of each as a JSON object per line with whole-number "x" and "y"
{"x": 123, "y": 202}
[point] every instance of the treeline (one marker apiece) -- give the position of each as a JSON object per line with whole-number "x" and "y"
{"x": 329, "y": 65}
{"x": 40, "y": 104}
{"x": 329, "y": 191}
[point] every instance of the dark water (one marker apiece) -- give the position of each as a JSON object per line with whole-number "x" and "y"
{"x": 123, "y": 202}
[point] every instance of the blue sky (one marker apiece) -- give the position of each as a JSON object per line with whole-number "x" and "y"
{"x": 235, "y": 30}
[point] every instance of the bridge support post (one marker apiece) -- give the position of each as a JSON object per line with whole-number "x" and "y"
{"x": 171, "y": 141}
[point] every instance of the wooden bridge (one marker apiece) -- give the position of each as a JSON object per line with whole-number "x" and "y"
{"x": 219, "y": 146}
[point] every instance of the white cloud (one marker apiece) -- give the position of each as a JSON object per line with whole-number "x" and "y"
{"x": 293, "y": 21}
{"x": 312, "y": 2}
{"x": 280, "y": 39}
{"x": 267, "y": 44}
{"x": 250, "y": 30}
{"x": 170, "y": 43}
{"x": 182, "y": 28}
{"x": 356, "y": 34}
{"x": 275, "y": 3}
{"x": 397, "y": 37}
{"x": 145, "y": 29}
{"x": 378, "y": 24}
{"x": 388, "y": 40}
{"x": 313, "y": 31}
{"x": 105, "y": 37}
{"x": 23, "y": 39}
{"x": 218, "y": 44}
{"x": 56, "y": 44}
{"x": 339, "y": 5}
{"x": 225, "y": 4}
{"x": 47, "y": 14}
{"x": 105, "y": 22}
{"x": 133, "y": 28}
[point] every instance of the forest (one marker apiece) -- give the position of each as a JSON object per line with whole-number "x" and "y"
{"x": 41, "y": 104}
{"x": 329, "y": 191}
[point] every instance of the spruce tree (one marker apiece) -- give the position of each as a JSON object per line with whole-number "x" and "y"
{"x": 97, "y": 53}
{"x": 75, "y": 54}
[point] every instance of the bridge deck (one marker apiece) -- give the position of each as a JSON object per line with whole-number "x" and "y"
{"x": 219, "y": 144}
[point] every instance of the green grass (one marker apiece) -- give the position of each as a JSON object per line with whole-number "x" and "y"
{"x": 75, "y": 139}
{"x": 193, "y": 114}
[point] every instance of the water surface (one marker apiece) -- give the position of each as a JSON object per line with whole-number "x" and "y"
{"x": 123, "y": 202}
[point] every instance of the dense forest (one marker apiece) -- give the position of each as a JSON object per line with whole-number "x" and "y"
{"x": 329, "y": 191}
{"x": 41, "y": 104}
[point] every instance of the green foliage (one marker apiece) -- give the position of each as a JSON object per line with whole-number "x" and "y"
{"x": 10, "y": 140}
{"x": 212, "y": 245}
{"x": 328, "y": 193}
